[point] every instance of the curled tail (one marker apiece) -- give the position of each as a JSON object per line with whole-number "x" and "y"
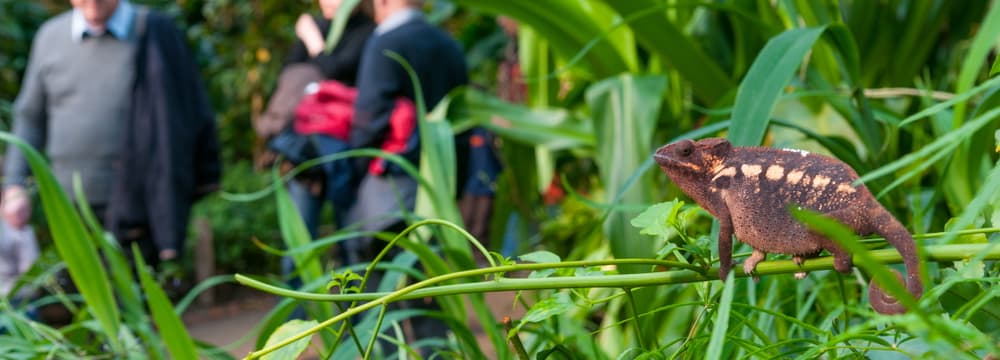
{"x": 894, "y": 232}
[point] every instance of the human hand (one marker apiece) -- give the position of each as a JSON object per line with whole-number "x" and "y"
{"x": 16, "y": 206}
{"x": 168, "y": 254}
{"x": 308, "y": 32}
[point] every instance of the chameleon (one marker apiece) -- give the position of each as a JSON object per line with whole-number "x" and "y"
{"x": 750, "y": 189}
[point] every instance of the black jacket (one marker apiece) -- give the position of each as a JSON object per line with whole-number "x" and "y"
{"x": 341, "y": 63}
{"x": 170, "y": 155}
{"x": 440, "y": 66}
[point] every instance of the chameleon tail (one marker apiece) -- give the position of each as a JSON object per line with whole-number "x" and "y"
{"x": 894, "y": 232}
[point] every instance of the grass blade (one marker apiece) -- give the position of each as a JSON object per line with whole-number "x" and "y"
{"x": 172, "y": 330}
{"x": 764, "y": 83}
{"x": 717, "y": 342}
{"x": 73, "y": 244}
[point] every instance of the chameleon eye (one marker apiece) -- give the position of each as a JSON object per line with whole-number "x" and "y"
{"x": 685, "y": 151}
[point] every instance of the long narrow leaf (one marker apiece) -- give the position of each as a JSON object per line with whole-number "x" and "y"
{"x": 721, "y": 328}
{"x": 948, "y": 140}
{"x": 973, "y": 62}
{"x": 72, "y": 242}
{"x": 764, "y": 83}
{"x": 172, "y": 330}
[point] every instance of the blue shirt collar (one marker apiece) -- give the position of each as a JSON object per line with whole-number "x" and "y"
{"x": 398, "y": 19}
{"x": 119, "y": 24}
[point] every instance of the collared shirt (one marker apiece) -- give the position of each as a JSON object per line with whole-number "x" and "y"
{"x": 398, "y": 19}
{"x": 119, "y": 24}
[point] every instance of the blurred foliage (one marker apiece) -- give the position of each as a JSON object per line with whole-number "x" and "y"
{"x": 884, "y": 87}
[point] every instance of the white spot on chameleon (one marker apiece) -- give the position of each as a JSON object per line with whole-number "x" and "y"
{"x": 750, "y": 170}
{"x": 775, "y": 172}
{"x": 795, "y": 176}
{"x": 820, "y": 181}
{"x": 845, "y": 188}
{"x": 801, "y": 152}
{"x": 729, "y": 171}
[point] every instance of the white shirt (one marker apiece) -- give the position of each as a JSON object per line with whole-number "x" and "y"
{"x": 398, "y": 19}
{"x": 119, "y": 24}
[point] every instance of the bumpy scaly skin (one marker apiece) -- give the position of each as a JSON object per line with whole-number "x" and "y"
{"x": 749, "y": 190}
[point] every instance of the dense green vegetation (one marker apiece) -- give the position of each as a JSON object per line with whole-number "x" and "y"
{"x": 901, "y": 90}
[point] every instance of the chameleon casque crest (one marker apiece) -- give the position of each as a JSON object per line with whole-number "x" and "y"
{"x": 749, "y": 190}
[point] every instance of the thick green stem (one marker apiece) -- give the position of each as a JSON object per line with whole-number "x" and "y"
{"x": 940, "y": 253}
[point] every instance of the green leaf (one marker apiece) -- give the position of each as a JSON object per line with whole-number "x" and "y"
{"x": 654, "y": 29}
{"x": 548, "y": 307}
{"x": 972, "y": 64}
{"x": 625, "y": 109}
{"x": 541, "y": 257}
{"x": 74, "y": 245}
{"x": 172, "y": 330}
{"x": 996, "y": 68}
{"x": 285, "y": 331}
{"x": 945, "y": 143}
{"x": 550, "y": 127}
{"x": 294, "y": 233}
{"x": 846, "y": 238}
{"x": 656, "y": 219}
{"x": 765, "y": 82}
{"x": 568, "y": 27}
{"x": 344, "y": 11}
{"x": 721, "y": 327}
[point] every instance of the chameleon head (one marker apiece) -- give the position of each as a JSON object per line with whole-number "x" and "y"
{"x": 687, "y": 158}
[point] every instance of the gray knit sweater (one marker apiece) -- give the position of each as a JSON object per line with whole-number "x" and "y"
{"x": 73, "y": 103}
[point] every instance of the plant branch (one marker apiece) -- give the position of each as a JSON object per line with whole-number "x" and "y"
{"x": 939, "y": 253}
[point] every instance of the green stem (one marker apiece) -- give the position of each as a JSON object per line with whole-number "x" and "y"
{"x": 635, "y": 318}
{"x": 938, "y": 253}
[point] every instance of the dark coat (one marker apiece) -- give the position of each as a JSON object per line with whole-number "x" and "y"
{"x": 170, "y": 155}
{"x": 440, "y": 66}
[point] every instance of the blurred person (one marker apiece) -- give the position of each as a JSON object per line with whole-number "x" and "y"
{"x": 307, "y": 64}
{"x": 386, "y": 192}
{"x": 112, "y": 93}
{"x": 18, "y": 248}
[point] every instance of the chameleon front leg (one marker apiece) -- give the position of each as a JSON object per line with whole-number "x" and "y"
{"x": 725, "y": 245}
{"x": 750, "y": 264}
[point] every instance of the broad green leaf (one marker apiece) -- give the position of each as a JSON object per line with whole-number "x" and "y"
{"x": 765, "y": 82}
{"x": 285, "y": 331}
{"x": 73, "y": 244}
{"x": 550, "y": 127}
{"x": 656, "y": 219}
{"x": 996, "y": 68}
{"x": 655, "y": 31}
{"x": 544, "y": 309}
{"x": 625, "y": 110}
{"x": 567, "y": 26}
{"x": 721, "y": 327}
{"x": 541, "y": 257}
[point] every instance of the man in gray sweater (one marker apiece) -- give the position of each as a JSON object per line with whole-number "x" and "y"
{"x": 110, "y": 93}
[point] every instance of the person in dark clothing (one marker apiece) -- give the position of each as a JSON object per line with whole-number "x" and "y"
{"x": 341, "y": 63}
{"x": 386, "y": 191}
{"x": 128, "y": 112}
